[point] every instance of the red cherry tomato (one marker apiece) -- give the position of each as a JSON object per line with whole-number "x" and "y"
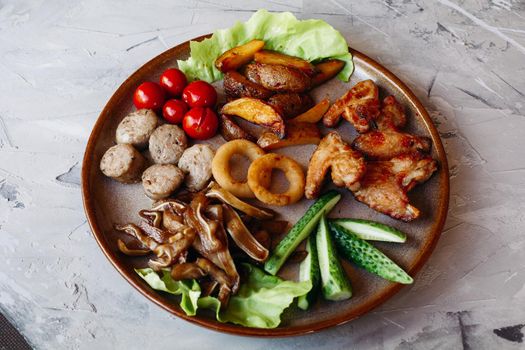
{"x": 199, "y": 94}
{"x": 173, "y": 82}
{"x": 174, "y": 111}
{"x": 149, "y": 95}
{"x": 200, "y": 123}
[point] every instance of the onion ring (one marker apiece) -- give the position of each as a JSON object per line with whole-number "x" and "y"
{"x": 260, "y": 173}
{"x": 220, "y": 166}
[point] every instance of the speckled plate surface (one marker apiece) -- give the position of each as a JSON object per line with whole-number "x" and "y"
{"x": 107, "y": 202}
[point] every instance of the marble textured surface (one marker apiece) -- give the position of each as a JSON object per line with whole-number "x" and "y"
{"x": 61, "y": 60}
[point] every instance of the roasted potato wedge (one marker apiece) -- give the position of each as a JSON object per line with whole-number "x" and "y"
{"x": 326, "y": 70}
{"x": 272, "y": 57}
{"x": 257, "y": 112}
{"x": 277, "y": 77}
{"x": 314, "y": 114}
{"x": 291, "y": 104}
{"x": 297, "y": 133}
{"x": 230, "y": 130}
{"x": 238, "y": 56}
{"x": 237, "y": 85}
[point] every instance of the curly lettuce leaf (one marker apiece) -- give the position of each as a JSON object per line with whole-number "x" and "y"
{"x": 190, "y": 289}
{"x": 312, "y": 40}
{"x": 261, "y": 299}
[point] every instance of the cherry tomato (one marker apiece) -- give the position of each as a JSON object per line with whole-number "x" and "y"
{"x": 174, "y": 111}
{"x": 173, "y": 82}
{"x": 200, "y": 123}
{"x": 199, "y": 94}
{"x": 149, "y": 95}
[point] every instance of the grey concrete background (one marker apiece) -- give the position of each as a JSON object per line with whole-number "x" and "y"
{"x": 60, "y": 61}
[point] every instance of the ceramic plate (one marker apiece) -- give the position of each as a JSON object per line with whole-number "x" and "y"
{"x": 107, "y": 202}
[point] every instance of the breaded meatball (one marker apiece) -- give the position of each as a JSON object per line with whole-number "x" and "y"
{"x": 136, "y": 128}
{"x": 161, "y": 180}
{"x": 167, "y": 143}
{"x": 196, "y": 163}
{"x": 123, "y": 163}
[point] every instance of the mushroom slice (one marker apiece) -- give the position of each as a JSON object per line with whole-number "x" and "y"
{"x": 211, "y": 241}
{"x": 168, "y": 252}
{"x": 135, "y": 231}
{"x": 242, "y": 236}
{"x": 171, "y": 221}
{"x": 187, "y": 271}
{"x": 165, "y": 204}
{"x": 152, "y": 217}
{"x": 158, "y": 234}
{"x": 217, "y": 192}
{"x": 130, "y": 251}
{"x": 225, "y": 289}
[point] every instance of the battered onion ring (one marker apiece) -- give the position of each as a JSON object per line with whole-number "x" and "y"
{"x": 260, "y": 173}
{"x": 220, "y": 166}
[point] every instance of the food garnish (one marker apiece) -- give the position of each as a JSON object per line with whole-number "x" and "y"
{"x": 173, "y": 81}
{"x": 199, "y": 94}
{"x": 260, "y": 174}
{"x": 371, "y": 230}
{"x": 300, "y": 231}
{"x": 311, "y": 40}
{"x": 367, "y": 256}
{"x": 200, "y": 123}
{"x": 334, "y": 283}
{"x": 174, "y": 111}
{"x": 309, "y": 271}
{"x": 149, "y": 95}
{"x": 221, "y": 166}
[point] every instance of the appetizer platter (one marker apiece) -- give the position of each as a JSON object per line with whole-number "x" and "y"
{"x": 266, "y": 180}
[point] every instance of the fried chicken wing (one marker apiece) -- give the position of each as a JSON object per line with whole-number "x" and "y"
{"x": 384, "y": 145}
{"x": 392, "y": 116}
{"x": 360, "y": 105}
{"x": 346, "y": 164}
{"x": 385, "y": 184}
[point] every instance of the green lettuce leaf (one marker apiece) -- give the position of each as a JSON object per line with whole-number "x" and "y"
{"x": 261, "y": 299}
{"x": 312, "y": 40}
{"x": 190, "y": 289}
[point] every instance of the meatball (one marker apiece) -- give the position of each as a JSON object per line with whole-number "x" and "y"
{"x": 196, "y": 163}
{"x": 161, "y": 180}
{"x": 136, "y": 128}
{"x": 167, "y": 143}
{"x": 123, "y": 163}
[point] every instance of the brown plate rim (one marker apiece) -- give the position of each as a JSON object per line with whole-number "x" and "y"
{"x": 89, "y": 208}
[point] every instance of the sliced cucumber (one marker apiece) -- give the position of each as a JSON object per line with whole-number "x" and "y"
{"x": 371, "y": 230}
{"x": 367, "y": 256}
{"x": 309, "y": 271}
{"x": 335, "y": 284}
{"x": 300, "y": 231}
